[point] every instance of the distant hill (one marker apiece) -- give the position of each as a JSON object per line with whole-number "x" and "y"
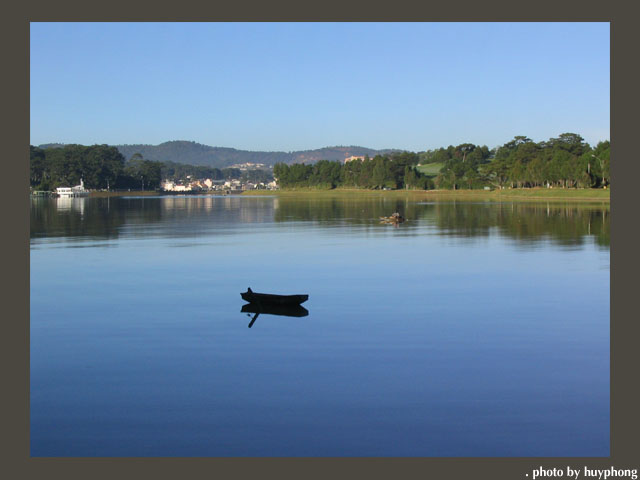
{"x": 193, "y": 153}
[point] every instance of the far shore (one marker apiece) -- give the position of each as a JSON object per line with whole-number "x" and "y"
{"x": 135, "y": 193}
{"x": 516, "y": 194}
{"x": 519, "y": 194}
{"x": 150, "y": 193}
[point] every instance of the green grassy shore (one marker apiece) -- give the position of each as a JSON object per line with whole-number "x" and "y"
{"x": 521, "y": 194}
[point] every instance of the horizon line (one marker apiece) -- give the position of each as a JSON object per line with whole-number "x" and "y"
{"x": 287, "y": 151}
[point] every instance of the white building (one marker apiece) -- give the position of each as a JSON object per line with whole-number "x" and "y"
{"x": 76, "y": 191}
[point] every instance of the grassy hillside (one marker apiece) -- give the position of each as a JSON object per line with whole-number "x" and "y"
{"x": 430, "y": 169}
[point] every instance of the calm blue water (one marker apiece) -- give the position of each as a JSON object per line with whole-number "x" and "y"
{"x": 472, "y": 329}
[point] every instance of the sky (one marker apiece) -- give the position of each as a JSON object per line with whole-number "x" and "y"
{"x": 302, "y": 86}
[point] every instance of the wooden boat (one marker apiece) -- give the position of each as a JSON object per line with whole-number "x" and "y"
{"x": 269, "y": 299}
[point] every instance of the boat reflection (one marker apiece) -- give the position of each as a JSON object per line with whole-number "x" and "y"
{"x": 282, "y": 310}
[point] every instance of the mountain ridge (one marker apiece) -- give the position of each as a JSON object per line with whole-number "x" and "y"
{"x": 194, "y": 153}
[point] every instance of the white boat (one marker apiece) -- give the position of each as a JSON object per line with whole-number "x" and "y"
{"x": 77, "y": 191}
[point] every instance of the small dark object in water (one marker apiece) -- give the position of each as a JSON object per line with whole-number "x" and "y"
{"x": 394, "y": 218}
{"x": 270, "y": 299}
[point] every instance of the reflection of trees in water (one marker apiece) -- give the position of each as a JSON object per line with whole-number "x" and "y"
{"x": 87, "y": 217}
{"x": 212, "y": 209}
{"x": 563, "y": 223}
{"x": 339, "y": 210}
{"x": 105, "y": 218}
{"x": 73, "y": 217}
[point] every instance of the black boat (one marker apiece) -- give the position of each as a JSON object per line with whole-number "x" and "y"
{"x": 270, "y": 299}
{"x": 287, "y": 310}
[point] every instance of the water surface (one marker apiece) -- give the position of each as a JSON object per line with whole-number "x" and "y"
{"x": 472, "y": 329}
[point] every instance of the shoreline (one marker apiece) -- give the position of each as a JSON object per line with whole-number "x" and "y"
{"x": 533, "y": 194}
{"x": 151, "y": 193}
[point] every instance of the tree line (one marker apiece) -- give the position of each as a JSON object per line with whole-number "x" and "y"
{"x": 380, "y": 172}
{"x": 566, "y": 161}
{"x": 102, "y": 167}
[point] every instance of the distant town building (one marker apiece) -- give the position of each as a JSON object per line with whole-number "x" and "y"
{"x": 169, "y": 186}
{"x": 248, "y": 166}
{"x": 217, "y": 185}
{"x": 233, "y": 184}
{"x": 354, "y": 157}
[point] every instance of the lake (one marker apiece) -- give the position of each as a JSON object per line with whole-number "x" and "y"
{"x": 471, "y": 329}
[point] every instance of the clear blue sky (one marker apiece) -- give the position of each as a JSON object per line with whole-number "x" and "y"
{"x": 297, "y": 86}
